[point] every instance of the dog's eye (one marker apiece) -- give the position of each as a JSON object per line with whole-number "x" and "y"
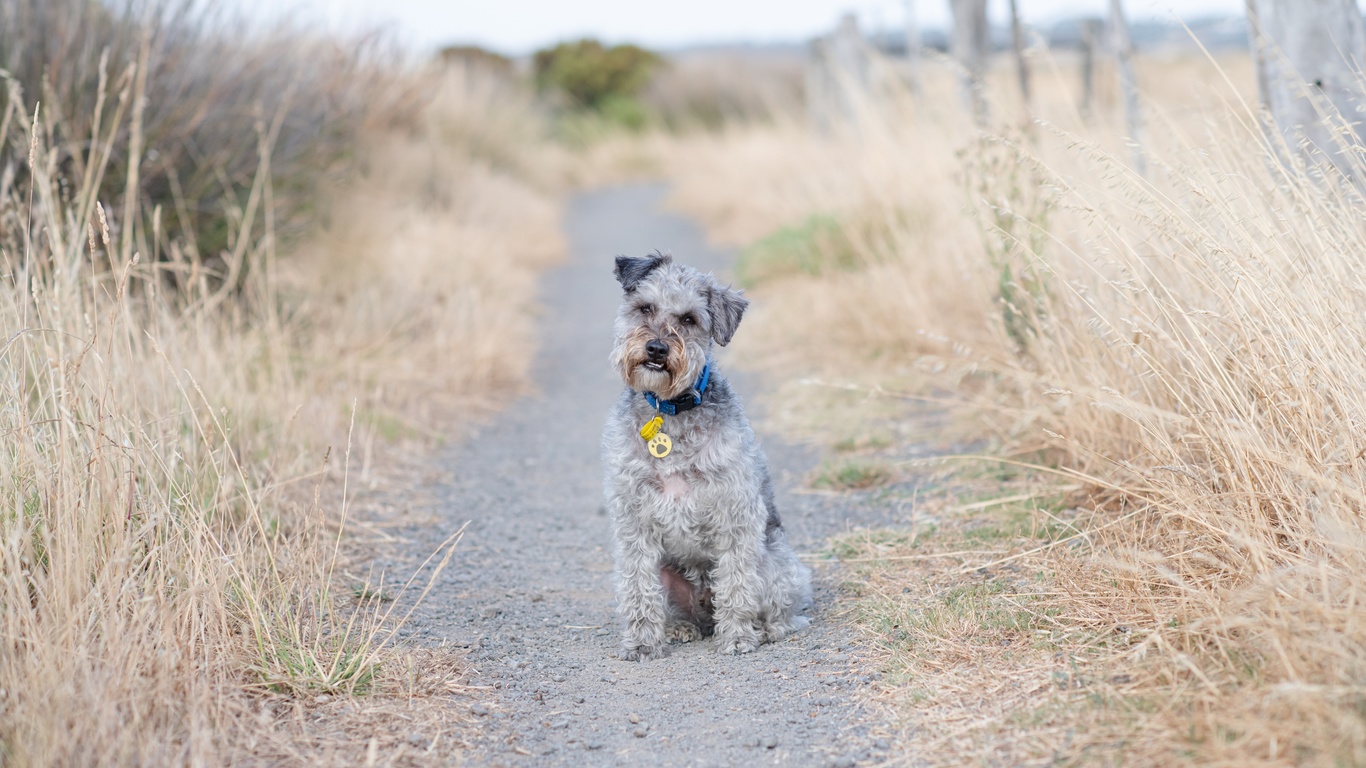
{"x": 647, "y": 309}
{"x": 688, "y": 319}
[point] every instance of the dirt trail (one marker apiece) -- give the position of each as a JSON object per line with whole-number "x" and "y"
{"x": 529, "y": 591}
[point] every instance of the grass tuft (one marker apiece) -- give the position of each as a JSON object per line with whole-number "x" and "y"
{"x": 853, "y": 475}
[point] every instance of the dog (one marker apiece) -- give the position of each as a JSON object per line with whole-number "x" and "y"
{"x": 699, "y": 546}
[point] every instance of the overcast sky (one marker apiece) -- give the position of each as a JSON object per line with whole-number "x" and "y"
{"x": 520, "y": 26}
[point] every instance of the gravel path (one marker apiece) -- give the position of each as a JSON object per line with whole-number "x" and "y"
{"x": 529, "y": 591}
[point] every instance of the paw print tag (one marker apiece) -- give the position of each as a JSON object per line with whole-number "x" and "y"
{"x": 660, "y": 445}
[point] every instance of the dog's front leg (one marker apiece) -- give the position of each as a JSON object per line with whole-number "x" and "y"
{"x": 735, "y": 585}
{"x": 640, "y": 597}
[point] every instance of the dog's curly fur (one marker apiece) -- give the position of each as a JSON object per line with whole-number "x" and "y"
{"x": 699, "y": 544}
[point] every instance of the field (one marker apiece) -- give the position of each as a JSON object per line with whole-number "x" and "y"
{"x": 1151, "y": 555}
{"x": 234, "y": 296}
{"x": 201, "y": 355}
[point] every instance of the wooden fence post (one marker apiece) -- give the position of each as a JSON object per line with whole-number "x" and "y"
{"x": 839, "y": 76}
{"x": 1309, "y": 55}
{"x": 1128, "y": 83}
{"x": 1090, "y": 43}
{"x": 970, "y": 44}
{"x": 913, "y": 45}
{"x": 1017, "y": 43}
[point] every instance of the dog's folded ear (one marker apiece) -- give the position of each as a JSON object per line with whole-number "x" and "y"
{"x": 632, "y": 269}
{"x": 727, "y": 306}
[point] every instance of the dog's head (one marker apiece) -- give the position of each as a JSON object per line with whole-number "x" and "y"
{"x": 669, "y": 317}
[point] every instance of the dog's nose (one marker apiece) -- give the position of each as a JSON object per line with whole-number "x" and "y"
{"x": 656, "y": 350}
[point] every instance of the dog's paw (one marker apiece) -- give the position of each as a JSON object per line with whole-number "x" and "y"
{"x": 772, "y": 633}
{"x": 737, "y": 646}
{"x": 683, "y": 632}
{"x": 775, "y": 631}
{"x": 644, "y": 652}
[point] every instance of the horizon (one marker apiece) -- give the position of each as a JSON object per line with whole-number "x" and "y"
{"x": 520, "y": 27}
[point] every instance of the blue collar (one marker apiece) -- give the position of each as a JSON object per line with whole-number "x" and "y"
{"x": 686, "y": 402}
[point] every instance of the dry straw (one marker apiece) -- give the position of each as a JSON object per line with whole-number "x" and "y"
{"x": 175, "y": 579}
{"x": 1188, "y": 344}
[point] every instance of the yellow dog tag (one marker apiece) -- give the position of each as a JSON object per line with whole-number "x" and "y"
{"x": 651, "y": 428}
{"x": 660, "y": 445}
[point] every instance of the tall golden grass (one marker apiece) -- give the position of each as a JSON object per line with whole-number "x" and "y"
{"x": 1188, "y": 346}
{"x": 174, "y": 468}
{"x": 207, "y": 77}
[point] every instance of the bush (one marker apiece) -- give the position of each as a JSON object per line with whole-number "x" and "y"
{"x": 594, "y": 77}
{"x": 188, "y": 94}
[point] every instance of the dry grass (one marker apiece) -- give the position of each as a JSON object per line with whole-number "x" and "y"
{"x": 1186, "y": 347}
{"x": 426, "y": 270}
{"x": 208, "y": 80}
{"x": 175, "y": 472}
{"x": 707, "y": 90}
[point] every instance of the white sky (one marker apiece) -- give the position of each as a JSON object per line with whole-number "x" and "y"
{"x": 520, "y": 26}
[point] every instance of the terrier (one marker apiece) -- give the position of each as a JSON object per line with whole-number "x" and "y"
{"x": 699, "y": 544}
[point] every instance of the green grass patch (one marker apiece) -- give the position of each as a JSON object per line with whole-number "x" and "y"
{"x": 1038, "y": 517}
{"x": 293, "y": 668}
{"x": 863, "y": 442}
{"x": 817, "y": 245}
{"x": 365, "y": 593}
{"x": 853, "y": 475}
{"x": 386, "y": 424}
{"x": 861, "y": 543}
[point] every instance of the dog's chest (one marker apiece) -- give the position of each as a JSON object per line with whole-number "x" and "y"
{"x": 685, "y": 509}
{"x": 693, "y": 497}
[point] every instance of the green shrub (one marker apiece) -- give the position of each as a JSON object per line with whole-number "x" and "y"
{"x": 593, "y": 77}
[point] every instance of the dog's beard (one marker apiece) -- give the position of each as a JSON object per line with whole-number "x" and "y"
{"x": 676, "y": 376}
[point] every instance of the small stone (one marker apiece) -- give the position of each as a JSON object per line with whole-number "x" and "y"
{"x": 479, "y": 709}
{"x": 882, "y": 744}
{"x": 844, "y": 762}
{"x": 770, "y": 742}
{"x": 417, "y": 740}
{"x": 557, "y": 678}
{"x": 490, "y": 612}
{"x": 639, "y": 733}
{"x": 634, "y": 718}
{"x": 538, "y": 598}
{"x": 593, "y": 745}
{"x": 323, "y": 698}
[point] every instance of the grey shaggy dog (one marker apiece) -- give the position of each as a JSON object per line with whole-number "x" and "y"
{"x": 699, "y": 544}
